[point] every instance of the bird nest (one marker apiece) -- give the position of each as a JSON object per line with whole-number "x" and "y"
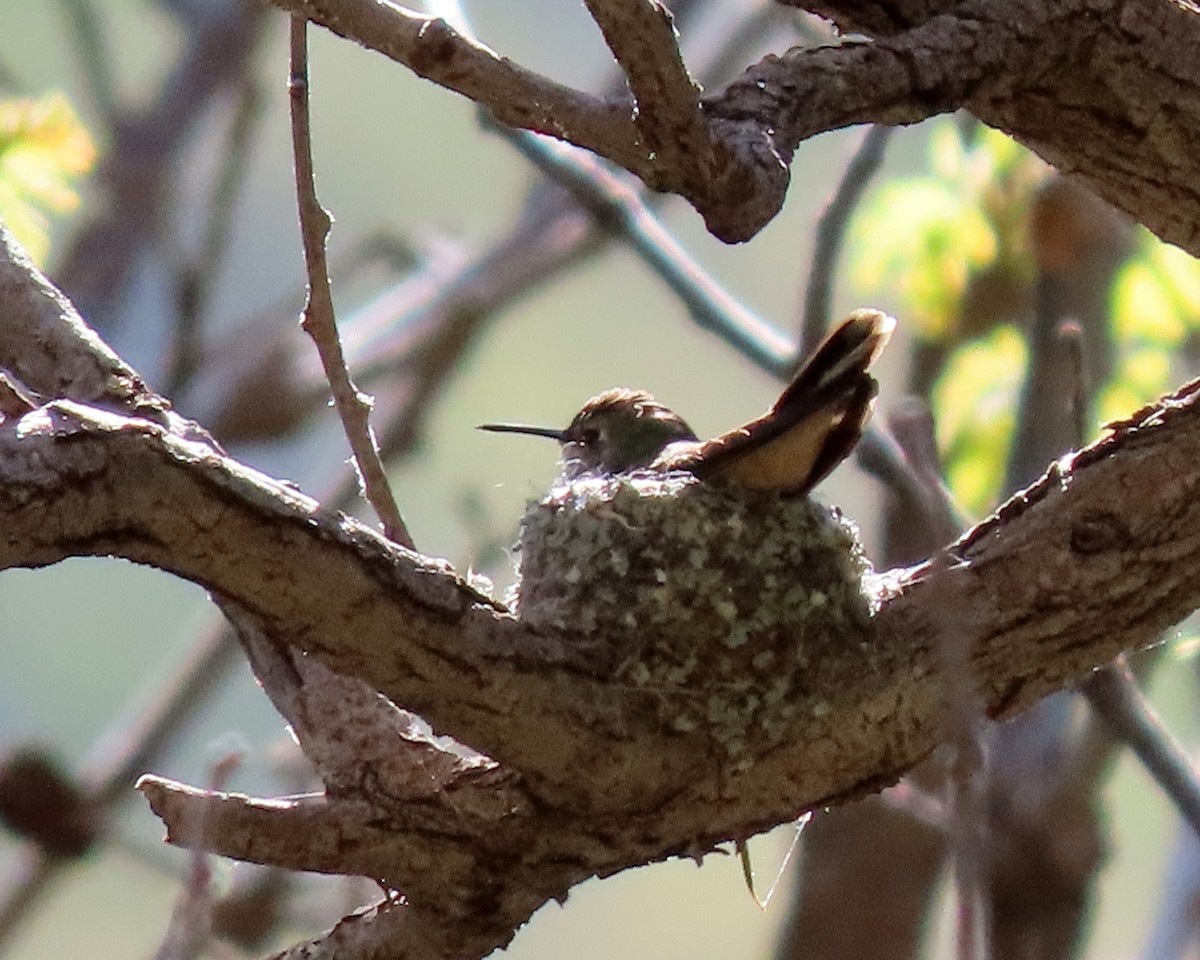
{"x": 710, "y": 605}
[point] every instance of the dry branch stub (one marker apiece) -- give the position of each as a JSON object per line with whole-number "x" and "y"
{"x": 715, "y": 605}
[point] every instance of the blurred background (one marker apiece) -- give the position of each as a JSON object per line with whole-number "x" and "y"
{"x": 145, "y": 160}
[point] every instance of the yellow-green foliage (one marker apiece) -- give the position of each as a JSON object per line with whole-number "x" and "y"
{"x": 44, "y": 149}
{"x": 1155, "y": 309}
{"x": 924, "y": 237}
{"x": 927, "y": 238}
{"x": 976, "y": 400}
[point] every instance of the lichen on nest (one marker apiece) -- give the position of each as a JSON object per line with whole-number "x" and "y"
{"x": 714, "y": 600}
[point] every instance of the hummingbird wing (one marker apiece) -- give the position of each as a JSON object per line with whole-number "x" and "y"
{"x": 815, "y": 423}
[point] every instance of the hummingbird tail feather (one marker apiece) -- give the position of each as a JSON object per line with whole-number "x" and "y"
{"x": 847, "y": 352}
{"x": 815, "y": 423}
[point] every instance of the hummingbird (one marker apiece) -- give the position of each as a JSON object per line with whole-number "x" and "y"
{"x": 812, "y": 427}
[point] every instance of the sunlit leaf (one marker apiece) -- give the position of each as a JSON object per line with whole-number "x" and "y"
{"x": 975, "y": 403}
{"x": 927, "y": 260}
{"x": 922, "y": 239}
{"x": 1115, "y": 401}
{"x": 1145, "y": 308}
{"x": 1142, "y": 373}
{"x": 1180, "y": 273}
{"x": 44, "y": 149}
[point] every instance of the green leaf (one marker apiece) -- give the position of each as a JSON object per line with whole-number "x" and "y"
{"x": 975, "y": 404}
{"x": 1145, "y": 306}
{"x": 928, "y": 261}
{"x": 924, "y": 238}
{"x": 1142, "y": 373}
{"x": 44, "y": 149}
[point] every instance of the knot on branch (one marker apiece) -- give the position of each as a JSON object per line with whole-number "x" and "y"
{"x": 1097, "y": 532}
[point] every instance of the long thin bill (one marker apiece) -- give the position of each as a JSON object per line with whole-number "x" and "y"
{"x": 522, "y": 428}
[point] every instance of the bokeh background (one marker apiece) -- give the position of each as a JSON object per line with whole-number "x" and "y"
{"x": 85, "y": 644}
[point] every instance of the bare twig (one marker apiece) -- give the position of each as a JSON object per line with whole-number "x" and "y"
{"x": 615, "y": 202}
{"x": 195, "y": 278}
{"x": 88, "y": 33}
{"x": 830, "y": 231}
{"x": 1113, "y": 693}
{"x": 318, "y": 319}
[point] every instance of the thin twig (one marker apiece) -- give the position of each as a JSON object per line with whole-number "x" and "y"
{"x": 831, "y": 230}
{"x": 195, "y": 279}
{"x": 1114, "y": 695}
{"x": 318, "y": 320}
{"x": 615, "y": 202}
{"x": 88, "y": 34}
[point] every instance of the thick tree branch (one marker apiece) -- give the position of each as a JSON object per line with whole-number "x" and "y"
{"x": 47, "y": 351}
{"x": 433, "y": 49}
{"x": 735, "y": 181}
{"x": 1068, "y": 574}
{"x": 1101, "y": 88}
{"x": 641, "y": 35}
{"x": 1112, "y": 572}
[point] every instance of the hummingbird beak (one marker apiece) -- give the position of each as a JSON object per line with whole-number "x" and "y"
{"x": 559, "y": 435}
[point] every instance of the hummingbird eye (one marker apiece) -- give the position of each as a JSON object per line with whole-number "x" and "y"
{"x": 589, "y": 436}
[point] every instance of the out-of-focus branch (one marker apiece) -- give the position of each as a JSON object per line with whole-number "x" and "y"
{"x": 831, "y": 229}
{"x": 615, "y": 203}
{"x": 119, "y": 756}
{"x": 136, "y": 170}
{"x": 88, "y": 34}
{"x": 196, "y": 276}
{"x": 1114, "y": 695}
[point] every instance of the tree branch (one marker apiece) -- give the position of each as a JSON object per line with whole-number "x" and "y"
{"x": 1100, "y": 89}
{"x": 641, "y": 35}
{"x": 1064, "y": 577}
{"x": 317, "y": 320}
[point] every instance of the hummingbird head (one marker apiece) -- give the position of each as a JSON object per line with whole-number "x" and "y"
{"x": 617, "y": 431}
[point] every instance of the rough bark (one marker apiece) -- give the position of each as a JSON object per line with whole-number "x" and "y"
{"x": 1083, "y": 564}
{"x": 1104, "y": 89}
